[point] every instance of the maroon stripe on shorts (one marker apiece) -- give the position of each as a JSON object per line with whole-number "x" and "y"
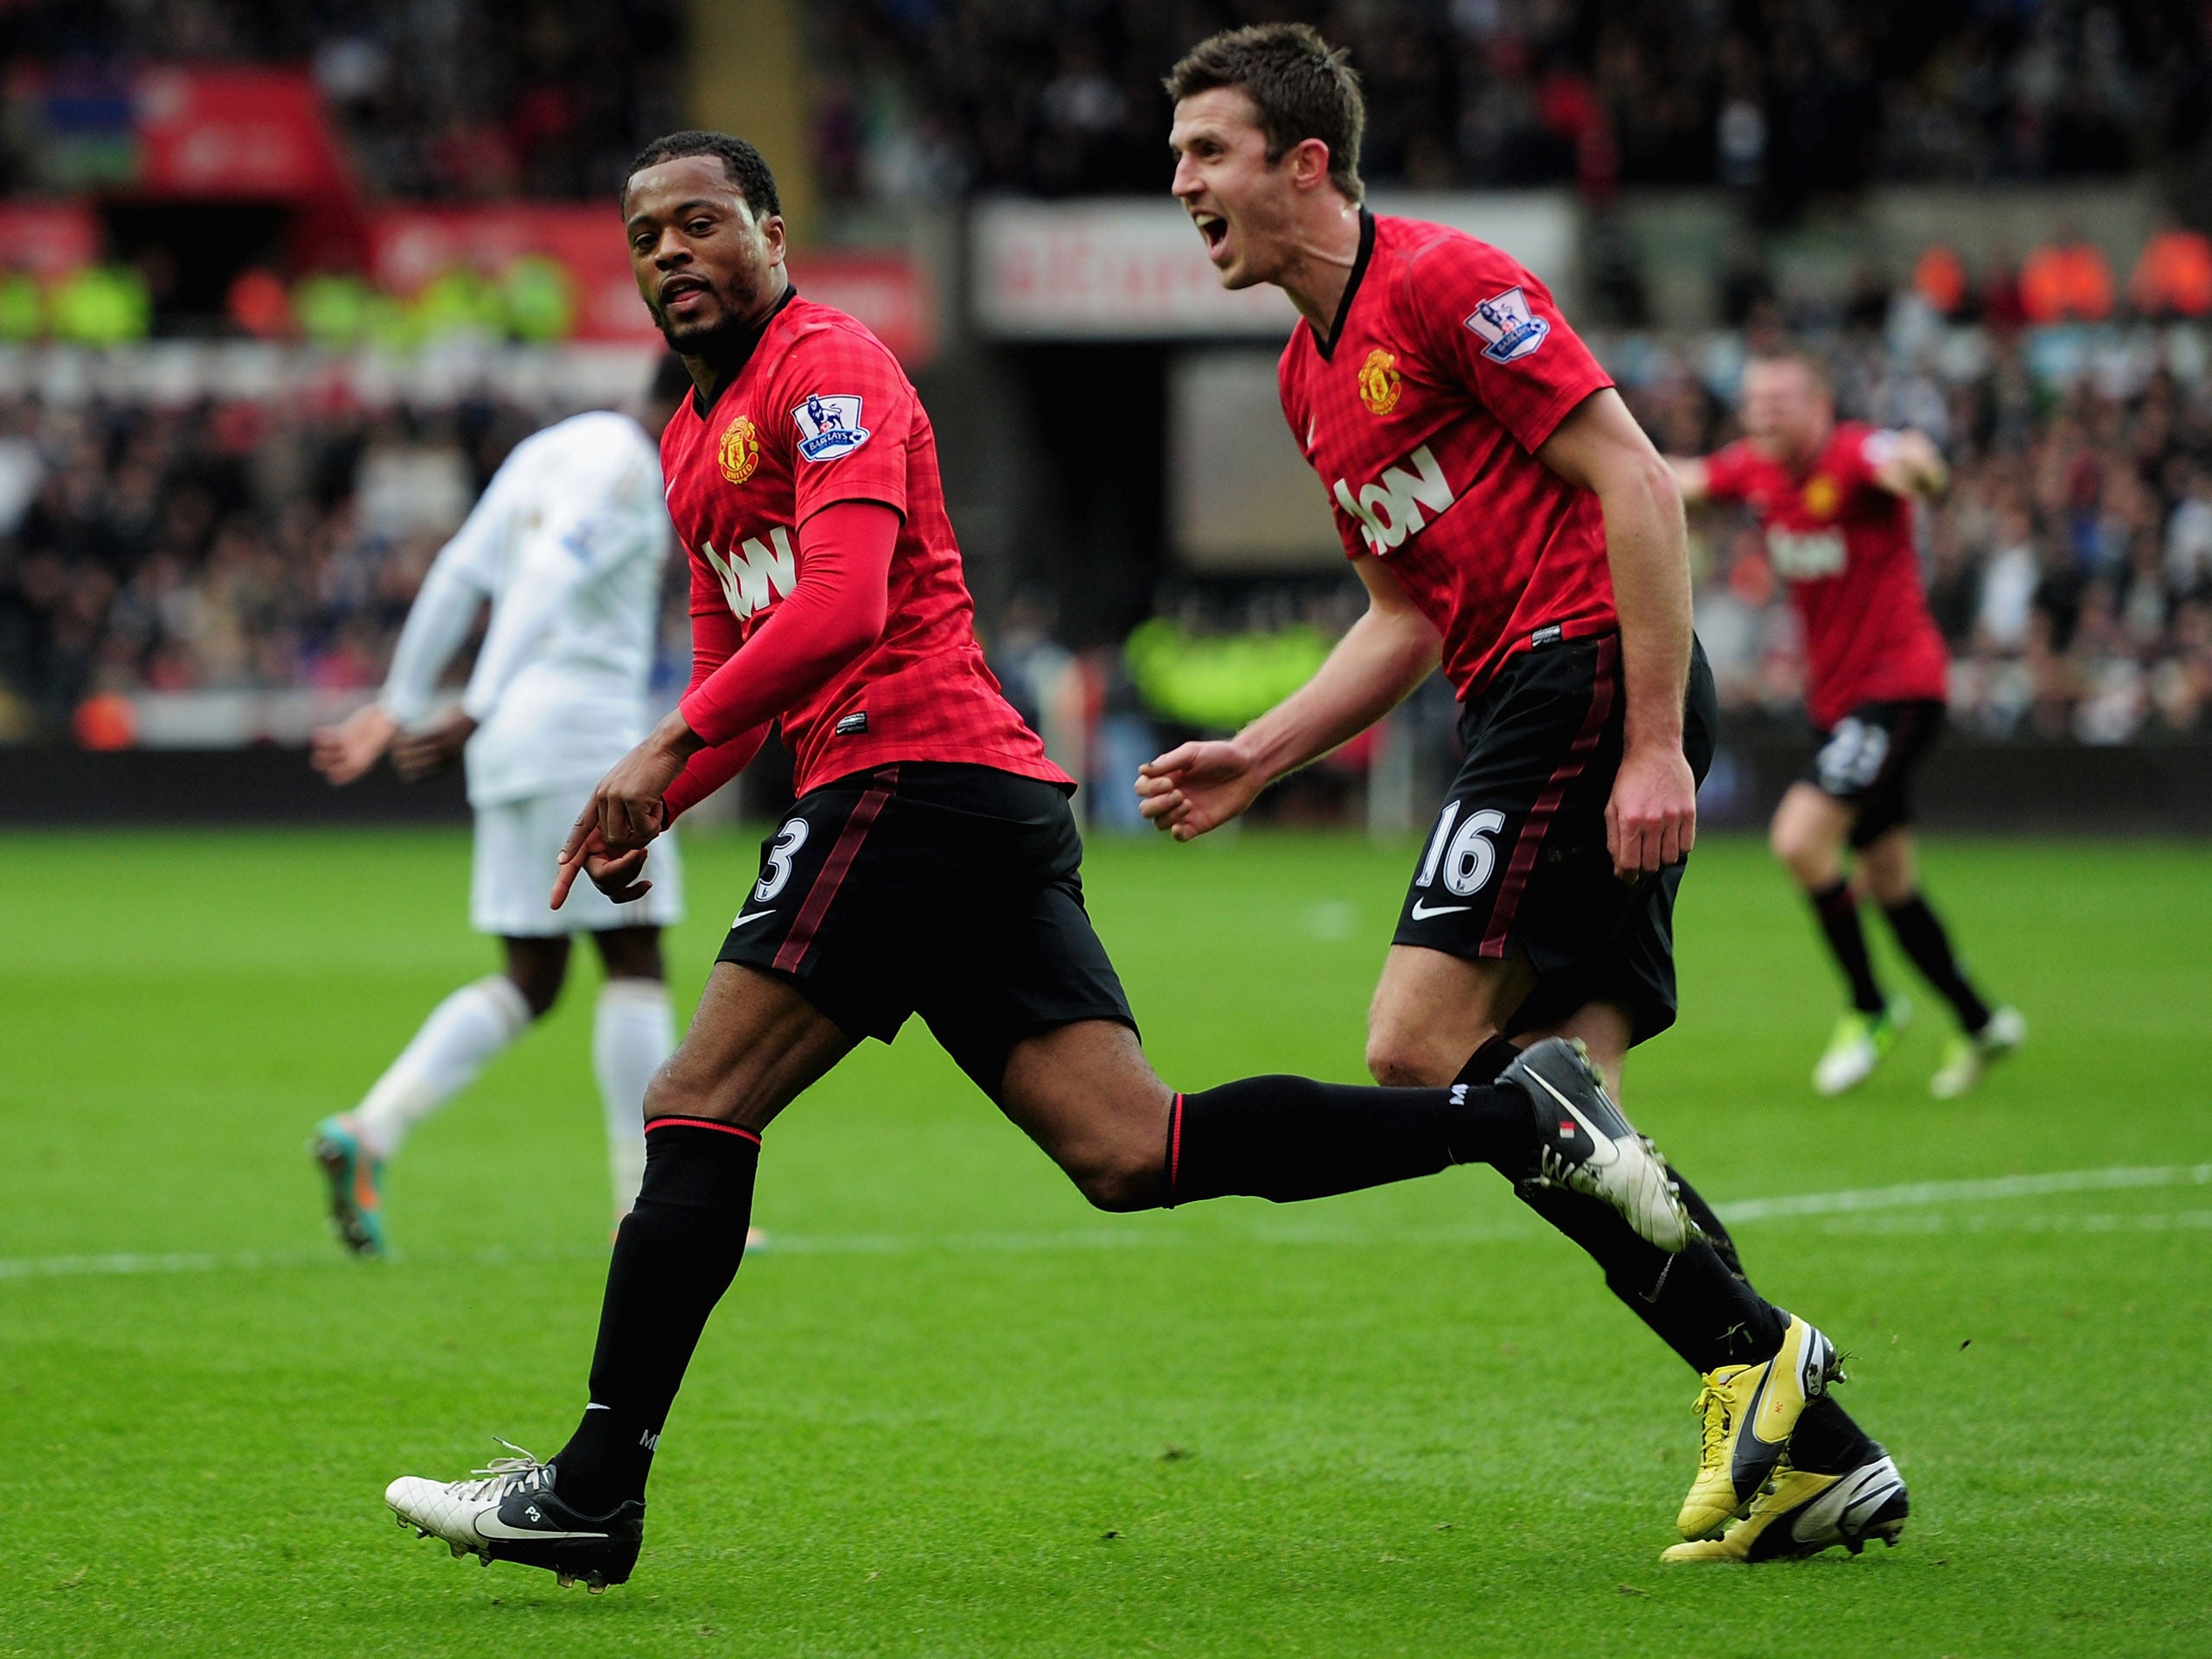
{"x": 801, "y": 938}
{"x": 1538, "y": 824}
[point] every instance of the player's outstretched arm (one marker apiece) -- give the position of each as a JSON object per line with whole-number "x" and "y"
{"x": 1692, "y": 477}
{"x": 625, "y": 813}
{"x": 837, "y": 610}
{"x": 1908, "y": 463}
{"x": 1381, "y": 657}
{"x": 342, "y": 752}
{"x": 445, "y": 606}
{"x": 1652, "y": 819}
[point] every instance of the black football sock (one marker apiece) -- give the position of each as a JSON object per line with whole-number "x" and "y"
{"x": 1922, "y": 938}
{"x": 674, "y": 1256}
{"x": 1837, "y": 907}
{"x": 1291, "y": 1138}
{"x": 1708, "y": 1224}
{"x": 1827, "y": 1442}
{"x": 1488, "y": 1062}
{"x": 1697, "y": 1302}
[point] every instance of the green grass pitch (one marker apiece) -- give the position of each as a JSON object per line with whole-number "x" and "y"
{"x": 955, "y": 1412}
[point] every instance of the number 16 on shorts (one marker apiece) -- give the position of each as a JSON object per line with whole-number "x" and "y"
{"x": 1466, "y": 860}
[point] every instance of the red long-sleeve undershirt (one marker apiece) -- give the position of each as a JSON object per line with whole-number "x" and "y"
{"x": 837, "y": 610}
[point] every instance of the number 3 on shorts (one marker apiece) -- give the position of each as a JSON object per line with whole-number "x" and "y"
{"x": 1467, "y": 858}
{"x": 789, "y": 840}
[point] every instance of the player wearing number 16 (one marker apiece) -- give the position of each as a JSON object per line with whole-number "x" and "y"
{"x": 1836, "y": 500}
{"x": 1512, "y": 522}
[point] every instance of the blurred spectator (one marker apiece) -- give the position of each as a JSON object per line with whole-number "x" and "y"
{"x": 2174, "y": 276}
{"x": 144, "y": 548}
{"x": 2066, "y": 281}
{"x": 1779, "y": 102}
{"x": 450, "y": 98}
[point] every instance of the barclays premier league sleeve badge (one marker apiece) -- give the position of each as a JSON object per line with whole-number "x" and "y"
{"x": 1504, "y": 321}
{"x": 829, "y": 427}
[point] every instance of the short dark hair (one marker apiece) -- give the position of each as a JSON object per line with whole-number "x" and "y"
{"x": 1303, "y": 88}
{"x": 1815, "y": 366}
{"x": 745, "y": 167}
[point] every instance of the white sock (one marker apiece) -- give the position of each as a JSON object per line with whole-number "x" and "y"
{"x": 632, "y": 1032}
{"x": 462, "y": 1033}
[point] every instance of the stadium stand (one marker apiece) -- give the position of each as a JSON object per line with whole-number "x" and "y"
{"x": 1782, "y": 101}
{"x": 456, "y": 99}
{"x": 179, "y": 548}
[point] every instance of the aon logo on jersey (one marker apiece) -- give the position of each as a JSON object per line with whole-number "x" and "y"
{"x": 1389, "y": 510}
{"x": 757, "y": 573}
{"x": 1806, "y": 554}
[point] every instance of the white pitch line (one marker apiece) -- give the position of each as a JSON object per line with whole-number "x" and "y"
{"x": 1919, "y": 1194}
{"x": 1848, "y": 1209}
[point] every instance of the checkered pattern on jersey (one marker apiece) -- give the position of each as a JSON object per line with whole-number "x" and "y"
{"x": 1845, "y": 545}
{"x": 1451, "y": 368}
{"x": 821, "y": 412}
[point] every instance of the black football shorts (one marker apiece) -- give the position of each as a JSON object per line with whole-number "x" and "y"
{"x": 1516, "y": 863}
{"x": 931, "y": 887}
{"x": 1868, "y": 759}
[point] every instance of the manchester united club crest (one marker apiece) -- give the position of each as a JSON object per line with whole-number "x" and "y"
{"x": 740, "y": 451}
{"x": 1821, "y": 496}
{"x": 1378, "y": 382}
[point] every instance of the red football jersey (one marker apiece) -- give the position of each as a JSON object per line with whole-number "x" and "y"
{"x": 1846, "y": 546}
{"x": 1450, "y": 368}
{"x": 820, "y": 413}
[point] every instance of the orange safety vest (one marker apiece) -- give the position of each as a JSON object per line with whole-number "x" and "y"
{"x": 1940, "y": 280}
{"x": 2066, "y": 283}
{"x": 2174, "y": 276}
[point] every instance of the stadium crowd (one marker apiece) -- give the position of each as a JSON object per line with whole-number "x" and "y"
{"x": 468, "y": 98}
{"x": 2070, "y": 564}
{"x": 150, "y": 549}
{"x": 1779, "y": 101}
{"x": 442, "y": 99}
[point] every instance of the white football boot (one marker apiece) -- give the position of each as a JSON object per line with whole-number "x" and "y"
{"x": 1585, "y": 1144}
{"x": 509, "y": 1511}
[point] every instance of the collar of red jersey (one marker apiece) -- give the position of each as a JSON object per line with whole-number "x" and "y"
{"x": 1351, "y": 286}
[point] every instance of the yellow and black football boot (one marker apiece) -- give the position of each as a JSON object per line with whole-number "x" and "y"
{"x": 1799, "y": 1513}
{"x": 1748, "y": 1414}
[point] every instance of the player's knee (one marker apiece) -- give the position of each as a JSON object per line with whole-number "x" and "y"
{"x": 676, "y": 1090}
{"x": 1400, "y": 1059}
{"x": 1119, "y": 1179}
{"x": 540, "y": 989}
{"x": 1798, "y": 852}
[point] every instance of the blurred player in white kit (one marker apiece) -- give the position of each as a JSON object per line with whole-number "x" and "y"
{"x": 568, "y": 542}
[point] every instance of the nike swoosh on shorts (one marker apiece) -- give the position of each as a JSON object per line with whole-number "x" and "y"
{"x": 745, "y": 921}
{"x": 1422, "y": 912}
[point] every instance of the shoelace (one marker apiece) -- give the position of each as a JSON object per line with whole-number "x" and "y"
{"x": 502, "y": 1475}
{"x": 1711, "y": 1409}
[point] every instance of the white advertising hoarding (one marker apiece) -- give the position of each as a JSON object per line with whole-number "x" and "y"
{"x": 1135, "y": 269}
{"x": 1240, "y": 500}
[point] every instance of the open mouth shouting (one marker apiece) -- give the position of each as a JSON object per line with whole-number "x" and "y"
{"x": 683, "y": 297}
{"x": 1214, "y": 229}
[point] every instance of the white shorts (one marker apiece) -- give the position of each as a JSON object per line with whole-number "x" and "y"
{"x": 517, "y": 850}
